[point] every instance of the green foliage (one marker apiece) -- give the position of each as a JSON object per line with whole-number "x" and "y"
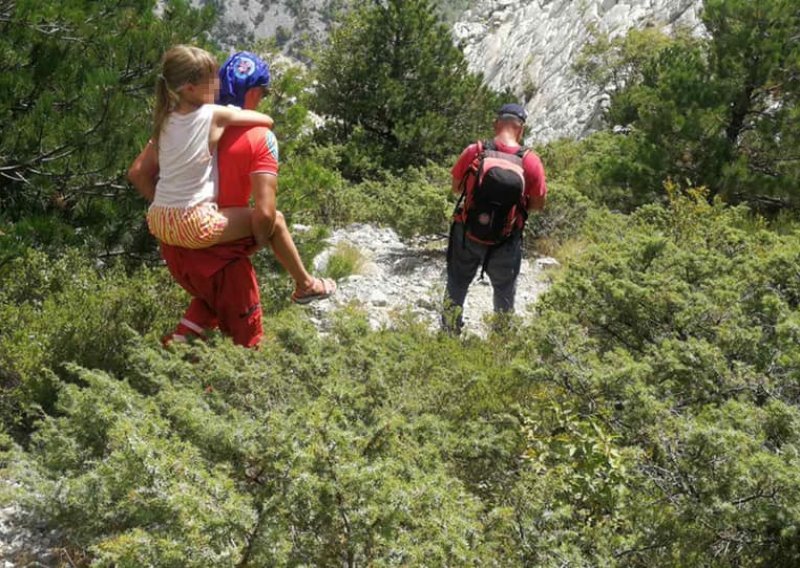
{"x": 311, "y": 186}
{"x": 397, "y": 90}
{"x": 562, "y": 219}
{"x": 416, "y": 201}
{"x": 132, "y": 459}
{"x": 62, "y": 309}
{"x": 646, "y": 416}
{"x": 675, "y": 319}
{"x": 606, "y": 168}
{"x": 309, "y": 451}
{"x": 344, "y": 261}
{"x": 717, "y": 112}
{"x": 74, "y": 110}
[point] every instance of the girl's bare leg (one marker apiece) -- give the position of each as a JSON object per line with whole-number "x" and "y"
{"x": 239, "y": 225}
{"x": 282, "y": 245}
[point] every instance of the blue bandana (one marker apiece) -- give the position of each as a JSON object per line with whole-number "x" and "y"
{"x": 240, "y": 73}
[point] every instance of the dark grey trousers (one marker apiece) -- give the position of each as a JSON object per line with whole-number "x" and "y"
{"x": 464, "y": 258}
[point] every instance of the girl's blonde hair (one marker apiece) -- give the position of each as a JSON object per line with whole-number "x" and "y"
{"x": 180, "y": 65}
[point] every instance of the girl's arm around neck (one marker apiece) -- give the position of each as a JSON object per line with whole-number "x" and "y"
{"x": 229, "y": 116}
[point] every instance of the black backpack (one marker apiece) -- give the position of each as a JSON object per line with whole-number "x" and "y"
{"x": 497, "y": 198}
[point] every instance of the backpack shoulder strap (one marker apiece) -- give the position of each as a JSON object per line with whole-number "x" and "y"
{"x": 473, "y": 170}
{"x": 522, "y": 152}
{"x": 489, "y": 145}
{"x": 477, "y": 161}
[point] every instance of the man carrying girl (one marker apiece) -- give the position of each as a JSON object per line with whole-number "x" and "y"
{"x": 207, "y": 230}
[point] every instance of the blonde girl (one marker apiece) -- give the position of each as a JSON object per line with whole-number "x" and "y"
{"x": 187, "y": 127}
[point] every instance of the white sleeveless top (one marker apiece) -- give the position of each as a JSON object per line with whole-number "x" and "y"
{"x": 187, "y": 170}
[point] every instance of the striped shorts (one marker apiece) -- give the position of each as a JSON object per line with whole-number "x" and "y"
{"x": 197, "y": 227}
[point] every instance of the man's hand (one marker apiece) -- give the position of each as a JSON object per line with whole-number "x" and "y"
{"x": 143, "y": 172}
{"x": 265, "y": 190}
{"x": 536, "y": 202}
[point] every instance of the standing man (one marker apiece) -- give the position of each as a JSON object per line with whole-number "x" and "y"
{"x": 499, "y": 182}
{"x": 221, "y": 278}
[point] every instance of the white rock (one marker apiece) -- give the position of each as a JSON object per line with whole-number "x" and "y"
{"x": 411, "y": 276}
{"x": 552, "y": 34}
{"x": 321, "y": 261}
{"x": 546, "y": 263}
{"x": 378, "y": 298}
{"x": 606, "y": 5}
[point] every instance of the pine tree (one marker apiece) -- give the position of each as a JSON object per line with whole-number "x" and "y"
{"x": 720, "y": 111}
{"x": 392, "y": 79}
{"x": 76, "y": 78}
{"x": 755, "y": 59}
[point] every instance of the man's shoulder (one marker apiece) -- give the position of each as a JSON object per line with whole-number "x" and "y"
{"x": 261, "y": 135}
{"x": 251, "y": 138}
{"x": 471, "y": 150}
{"x": 532, "y": 158}
{"x": 249, "y": 132}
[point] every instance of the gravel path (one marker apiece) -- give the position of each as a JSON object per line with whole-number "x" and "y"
{"x": 397, "y": 276}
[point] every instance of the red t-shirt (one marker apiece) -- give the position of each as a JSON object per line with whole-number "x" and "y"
{"x": 242, "y": 151}
{"x": 533, "y": 170}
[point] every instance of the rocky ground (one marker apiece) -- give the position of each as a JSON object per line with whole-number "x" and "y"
{"x": 24, "y": 546}
{"x": 396, "y": 276}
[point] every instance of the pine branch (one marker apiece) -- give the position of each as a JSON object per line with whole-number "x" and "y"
{"x": 60, "y": 152}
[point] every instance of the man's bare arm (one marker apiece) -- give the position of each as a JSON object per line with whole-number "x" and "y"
{"x": 265, "y": 191}
{"x": 536, "y": 203}
{"x": 143, "y": 172}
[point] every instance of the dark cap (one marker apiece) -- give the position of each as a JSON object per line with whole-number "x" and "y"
{"x": 513, "y": 110}
{"x": 242, "y": 71}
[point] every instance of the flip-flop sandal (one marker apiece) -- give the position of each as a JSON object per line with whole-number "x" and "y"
{"x": 328, "y": 287}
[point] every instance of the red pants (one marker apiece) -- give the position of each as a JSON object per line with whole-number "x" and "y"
{"x": 224, "y": 290}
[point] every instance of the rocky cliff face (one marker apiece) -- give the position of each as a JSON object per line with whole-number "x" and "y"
{"x": 291, "y": 23}
{"x": 529, "y": 47}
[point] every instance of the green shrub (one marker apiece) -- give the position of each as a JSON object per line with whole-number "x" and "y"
{"x": 601, "y": 167}
{"x": 677, "y": 321}
{"x": 310, "y": 186}
{"x": 308, "y": 451}
{"x": 344, "y": 261}
{"x": 561, "y": 220}
{"x": 63, "y": 309}
{"x": 647, "y": 415}
{"x": 412, "y": 203}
